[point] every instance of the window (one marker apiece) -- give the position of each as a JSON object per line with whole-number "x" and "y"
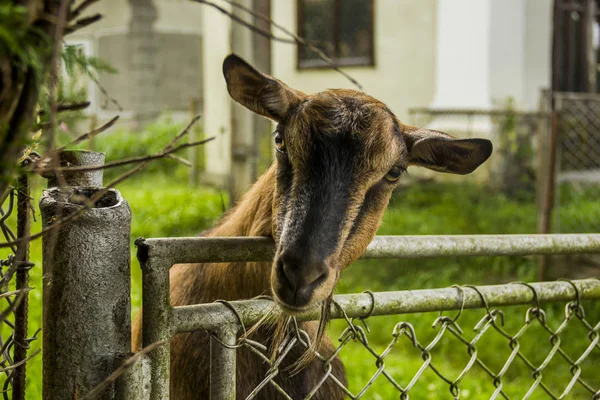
{"x": 342, "y": 29}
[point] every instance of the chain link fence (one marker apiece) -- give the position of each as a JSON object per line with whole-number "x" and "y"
{"x": 512, "y": 170}
{"x": 15, "y": 212}
{"x": 500, "y": 365}
{"x": 484, "y": 342}
{"x": 577, "y": 169}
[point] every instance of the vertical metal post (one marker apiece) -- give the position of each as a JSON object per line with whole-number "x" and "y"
{"x": 22, "y": 260}
{"x": 134, "y": 384}
{"x": 549, "y": 187}
{"x": 222, "y": 364}
{"x": 156, "y": 319}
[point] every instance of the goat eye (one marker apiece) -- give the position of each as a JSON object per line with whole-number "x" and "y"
{"x": 279, "y": 142}
{"x": 394, "y": 174}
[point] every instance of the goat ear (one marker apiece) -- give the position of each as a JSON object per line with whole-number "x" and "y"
{"x": 258, "y": 92}
{"x": 441, "y": 152}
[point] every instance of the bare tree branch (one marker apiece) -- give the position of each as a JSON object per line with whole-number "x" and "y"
{"x": 142, "y": 163}
{"x": 296, "y": 39}
{"x": 244, "y": 23}
{"x": 98, "y": 390}
{"x": 127, "y": 161}
{"x": 180, "y": 159}
{"x": 23, "y": 361}
{"x": 14, "y": 292}
{"x": 68, "y": 107}
{"x": 82, "y": 23}
{"x": 95, "y": 132}
{"x": 80, "y": 8}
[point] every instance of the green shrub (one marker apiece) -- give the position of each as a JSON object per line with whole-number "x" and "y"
{"x": 123, "y": 143}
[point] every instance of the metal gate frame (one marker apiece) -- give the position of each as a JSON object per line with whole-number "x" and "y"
{"x": 149, "y": 379}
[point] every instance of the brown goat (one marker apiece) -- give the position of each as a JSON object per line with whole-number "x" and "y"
{"x": 340, "y": 154}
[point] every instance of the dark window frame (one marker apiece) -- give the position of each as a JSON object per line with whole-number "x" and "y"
{"x": 317, "y": 63}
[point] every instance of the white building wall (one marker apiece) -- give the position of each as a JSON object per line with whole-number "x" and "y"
{"x": 508, "y": 38}
{"x": 405, "y": 51}
{"x": 428, "y": 53}
{"x": 463, "y": 54}
{"x": 492, "y": 50}
{"x": 538, "y": 50}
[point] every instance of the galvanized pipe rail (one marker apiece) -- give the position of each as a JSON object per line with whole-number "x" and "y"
{"x": 248, "y": 248}
{"x": 213, "y": 316}
{"x": 161, "y": 321}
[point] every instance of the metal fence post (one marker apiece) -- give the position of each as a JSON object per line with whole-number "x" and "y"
{"x": 22, "y": 282}
{"x": 222, "y": 363}
{"x": 156, "y": 317}
{"x": 86, "y": 314}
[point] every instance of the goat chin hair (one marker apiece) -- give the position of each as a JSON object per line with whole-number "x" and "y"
{"x": 284, "y": 326}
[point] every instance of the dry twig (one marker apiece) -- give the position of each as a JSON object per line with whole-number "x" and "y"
{"x": 98, "y": 390}
{"x": 80, "y": 8}
{"x": 82, "y": 23}
{"x": 295, "y": 38}
{"x": 142, "y": 163}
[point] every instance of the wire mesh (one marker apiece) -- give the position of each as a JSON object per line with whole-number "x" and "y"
{"x": 578, "y": 162}
{"x": 14, "y": 288}
{"x": 521, "y": 358}
{"x": 512, "y": 169}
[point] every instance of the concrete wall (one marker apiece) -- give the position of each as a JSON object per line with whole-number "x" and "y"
{"x": 177, "y": 56}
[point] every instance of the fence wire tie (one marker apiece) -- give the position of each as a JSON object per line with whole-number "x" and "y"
{"x": 227, "y": 346}
{"x": 369, "y": 313}
{"x": 489, "y": 319}
{"x": 446, "y": 322}
{"x": 234, "y": 311}
{"x": 23, "y": 265}
{"x": 8, "y": 262}
{"x": 348, "y": 321}
{"x": 491, "y": 314}
{"x": 462, "y": 304}
{"x": 240, "y": 342}
{"x": 535, "y": 311}
{"x": 574, "y": 306}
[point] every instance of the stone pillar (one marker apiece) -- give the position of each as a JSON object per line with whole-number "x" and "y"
{"x": 216, "y": 112}
{"x": 145, "y": 102}
{"x": 243, "y": 157}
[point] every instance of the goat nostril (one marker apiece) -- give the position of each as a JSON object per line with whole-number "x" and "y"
{"x": 287, "y": 276}
{"x": 320, "y": 279}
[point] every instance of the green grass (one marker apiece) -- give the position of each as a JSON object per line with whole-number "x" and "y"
{"x": 163, "y": 205}
{"x": 461, "y": 209}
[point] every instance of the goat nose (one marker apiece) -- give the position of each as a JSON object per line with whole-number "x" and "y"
{"x": 300, "y": 277}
